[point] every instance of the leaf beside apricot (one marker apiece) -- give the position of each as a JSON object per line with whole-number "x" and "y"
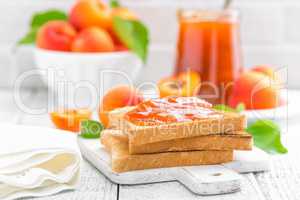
{"x": 133, "y": 34}
{"x": 39, "y": 19}
{"x": 239, "y": 108}
{"x": 266, "y": 135}
{"x": 90, "y": 129}
{"x": 114, "y": 3}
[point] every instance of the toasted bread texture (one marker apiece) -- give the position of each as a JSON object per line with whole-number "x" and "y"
{"x": 241, "y": 141}
{"x": 121, "y": 161}
{"x": 115, "y": 117}
{"x": 227, "y": 123}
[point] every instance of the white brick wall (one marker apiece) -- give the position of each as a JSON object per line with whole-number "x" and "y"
{"x": 270, "y": 33}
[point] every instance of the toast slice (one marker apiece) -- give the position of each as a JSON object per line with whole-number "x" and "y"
{"x": 121, "y": 161}
{"x": 116, "y": 117}
{"x": 227, "y": 123}
{"x": 241, "y": 141}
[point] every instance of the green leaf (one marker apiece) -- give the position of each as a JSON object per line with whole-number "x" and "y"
{"x": 90, "y": 129}
{"x": 239, "y": 108}
{"x": 41, "y": 18}
{"x": 266, "y": 135}
{"x": 37, "y": 21}
{"x": 133, "y": 34}
{"x": 29, "y": 38}
{"x": 223, "y": 108}
{"x": 114, "y": 3}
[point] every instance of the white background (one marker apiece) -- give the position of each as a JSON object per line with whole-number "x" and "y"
{"x": 270, "y": 34}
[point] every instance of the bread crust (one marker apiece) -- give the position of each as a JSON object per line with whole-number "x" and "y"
{"x": 122, "y": 161}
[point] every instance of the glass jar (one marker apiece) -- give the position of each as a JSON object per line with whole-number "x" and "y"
{"x": 209, "y": 43}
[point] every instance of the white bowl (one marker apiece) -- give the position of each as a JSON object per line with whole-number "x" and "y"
{"x": 98, "y": 70}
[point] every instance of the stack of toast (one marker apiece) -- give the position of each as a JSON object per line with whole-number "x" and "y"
{"x": 136, "y": 142}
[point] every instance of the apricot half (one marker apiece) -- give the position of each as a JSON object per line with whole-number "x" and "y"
{"x": 184, "y": 84}
{"x": 70, "y": 119}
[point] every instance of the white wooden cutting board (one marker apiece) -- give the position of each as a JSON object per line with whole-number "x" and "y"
{"x": 203, "y": 180}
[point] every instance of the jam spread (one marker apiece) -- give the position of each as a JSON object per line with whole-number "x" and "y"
{"x": 170, "y": 110}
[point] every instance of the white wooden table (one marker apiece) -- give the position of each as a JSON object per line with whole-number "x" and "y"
{"x": 283, "y": 182}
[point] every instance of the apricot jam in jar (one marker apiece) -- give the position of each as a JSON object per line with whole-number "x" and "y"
{"x": 209, "y": 43}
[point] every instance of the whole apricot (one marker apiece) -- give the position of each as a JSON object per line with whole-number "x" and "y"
{"x": 118, "y": 97}
{"x": 88, "y": 13}
{"x": 56, "y": 35}
{"x": 121, "y": 47}
{"x": 123, "y": 13}
{"x": 256, "y": 91}
{"x": 116, "y": 40}
{"x": 268, "y": 71}
{"x": 93, "y": 39}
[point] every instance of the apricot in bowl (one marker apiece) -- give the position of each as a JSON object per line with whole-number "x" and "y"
{"x": 56, "y": 35}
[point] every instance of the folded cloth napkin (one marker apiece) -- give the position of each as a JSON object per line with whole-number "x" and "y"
{"x": 37, "y": 161}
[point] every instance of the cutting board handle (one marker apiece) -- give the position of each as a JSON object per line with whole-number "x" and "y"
{"x": 209, "y": 180}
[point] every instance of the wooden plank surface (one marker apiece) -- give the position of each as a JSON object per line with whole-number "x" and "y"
{"x": 283, "y": 182}
{"x": 93, "y": 185}
{"x": 175, "y": 191}
{"x": 9, "y": 111}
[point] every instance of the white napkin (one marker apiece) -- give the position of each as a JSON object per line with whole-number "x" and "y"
{"x": 37, "y": 161}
